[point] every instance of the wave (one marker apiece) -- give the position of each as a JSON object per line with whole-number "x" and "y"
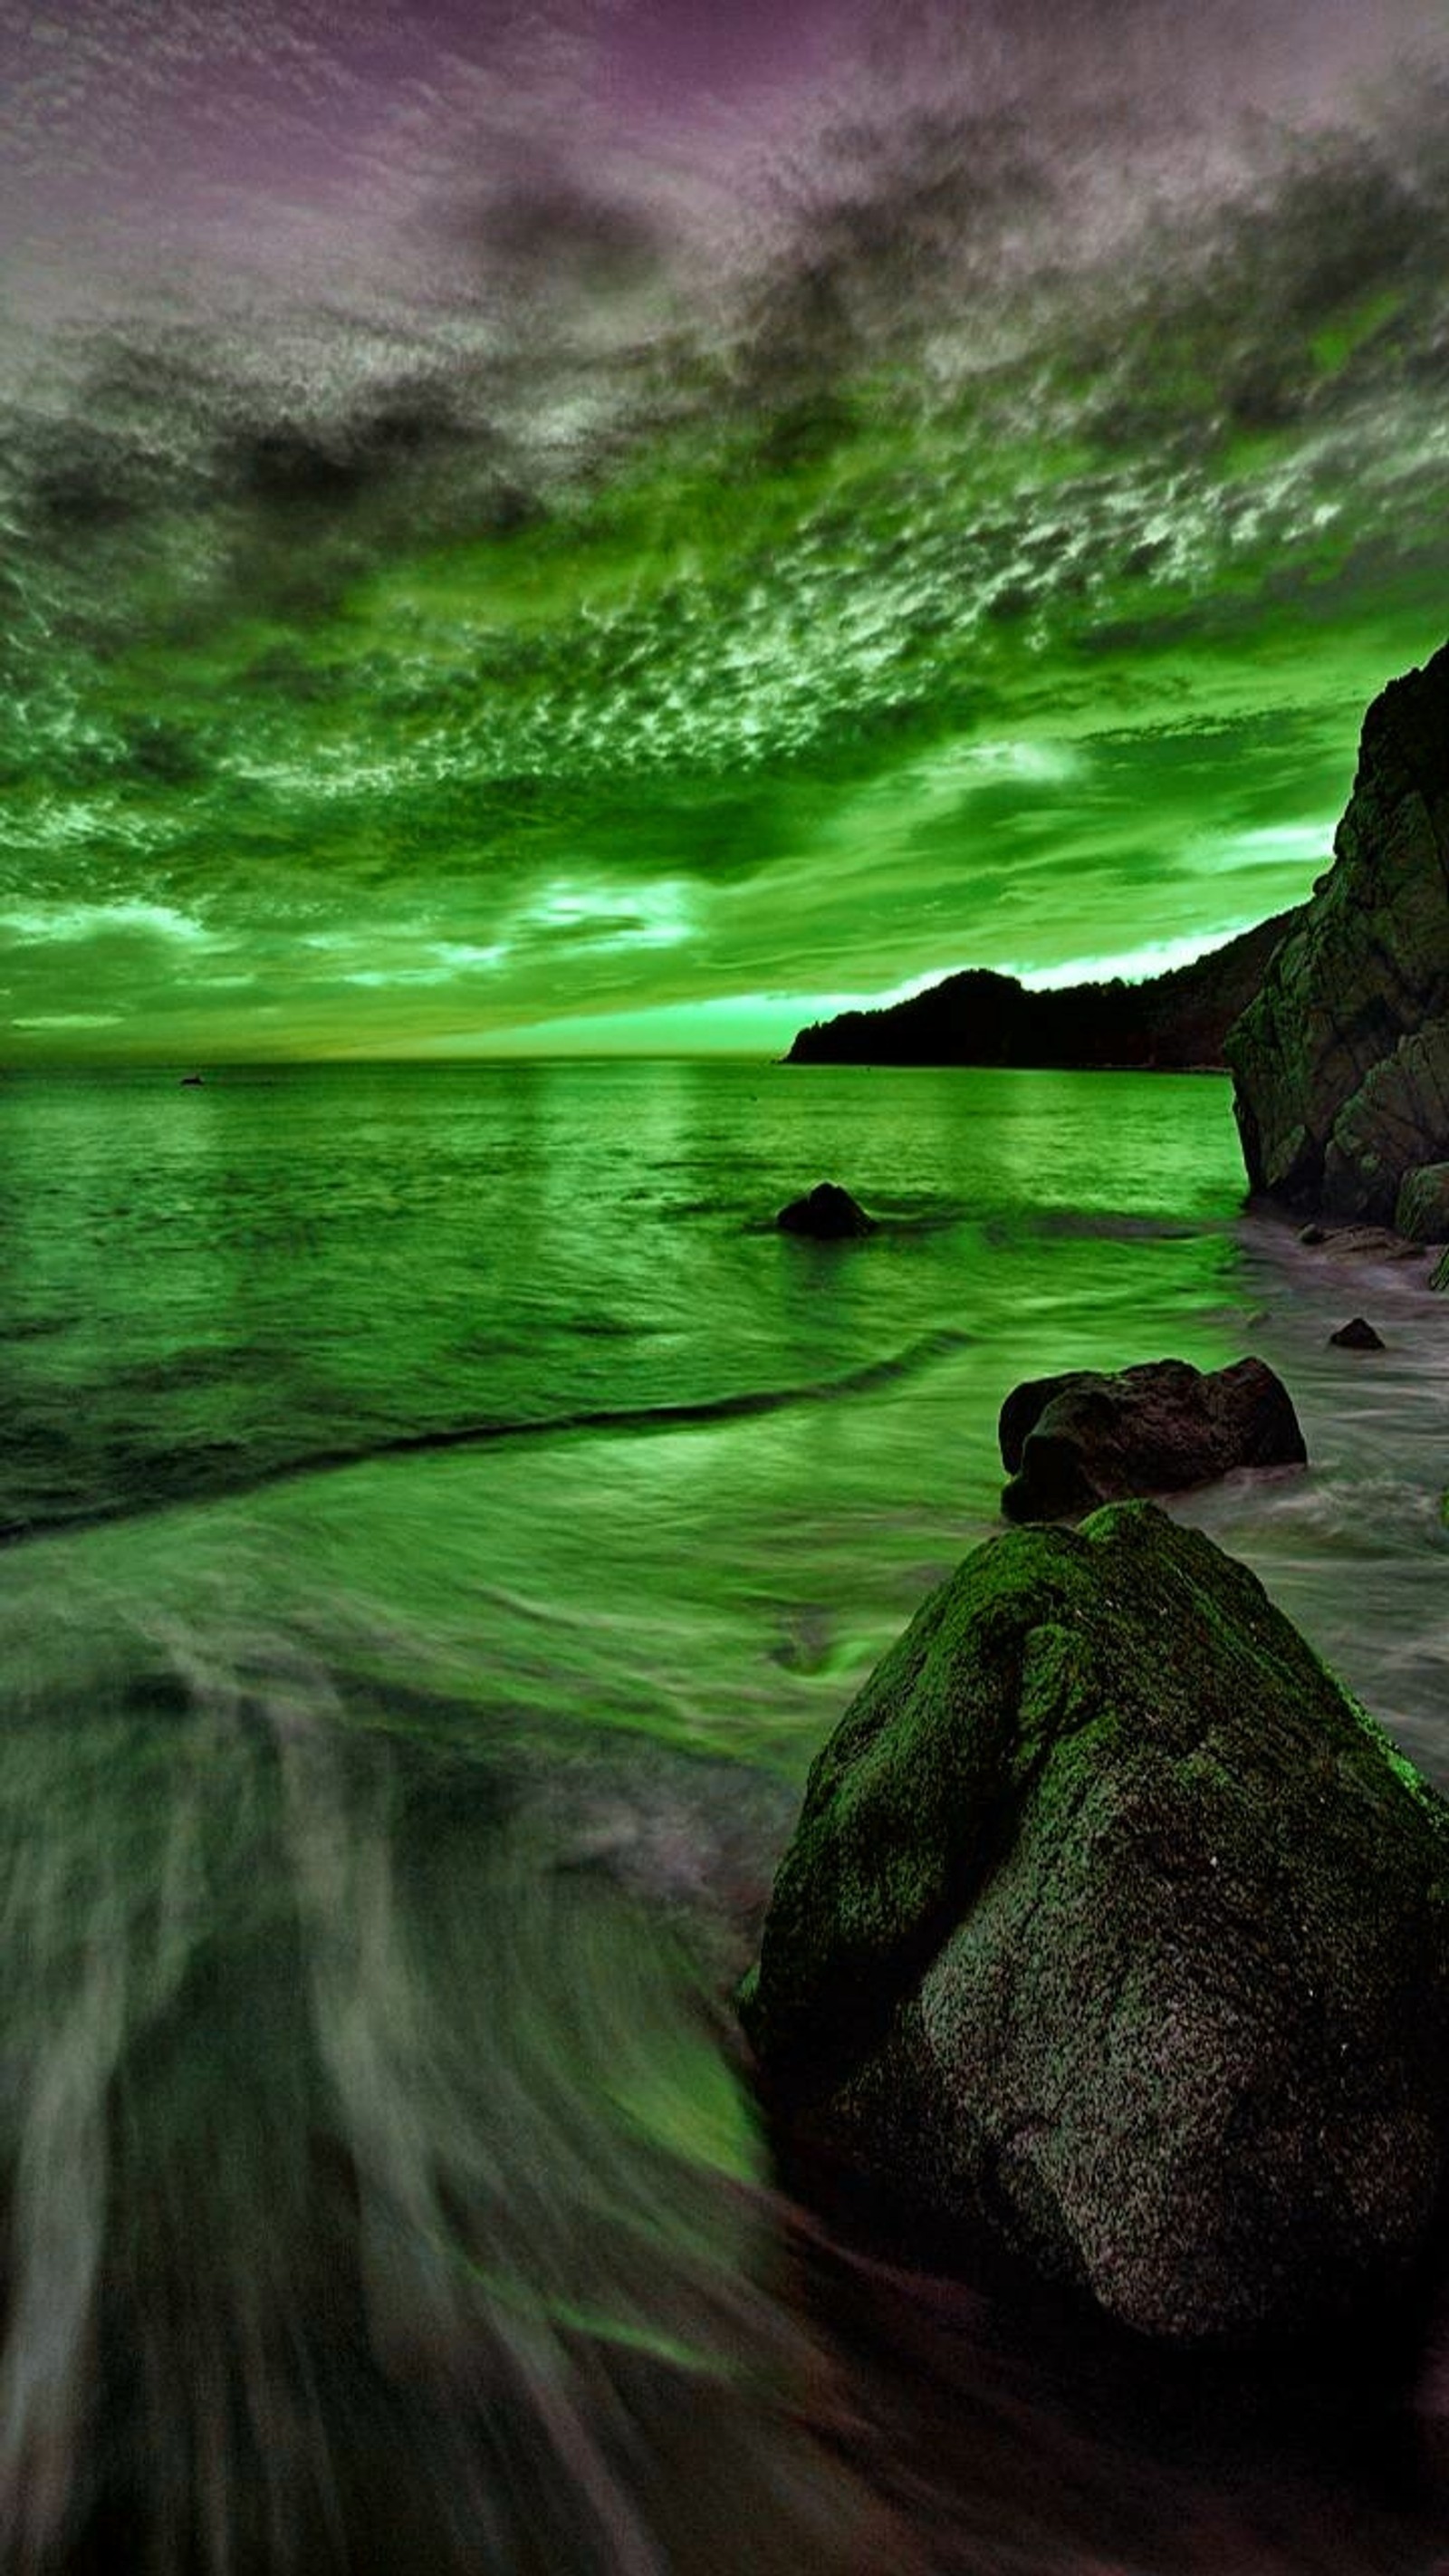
{"x": 378, "y": 2184}
{"x": 193, "y": 1484}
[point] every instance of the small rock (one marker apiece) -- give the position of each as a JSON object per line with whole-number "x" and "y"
{"x": 828, "y": 1212}
{"x": 1357, "y": 1336}
{"x": 1313, "y": 1234}
{"x": 1086, "y": 1438}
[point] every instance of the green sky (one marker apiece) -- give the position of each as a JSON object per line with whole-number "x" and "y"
{"x": 578, "y": 576}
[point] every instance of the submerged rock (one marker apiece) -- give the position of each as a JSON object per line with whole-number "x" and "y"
{"x": 1357, "y": 1336}
{"x": 1341, "y": 1064}
{"x": 1085, "y": 1438}
{"x": 828, "y": 1211}
{"x": 1113, "y": 1926}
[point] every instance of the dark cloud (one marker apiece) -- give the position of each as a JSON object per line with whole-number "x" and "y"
{"x": 552, "y": 239}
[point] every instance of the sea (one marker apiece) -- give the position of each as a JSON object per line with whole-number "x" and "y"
{"x": 443, "y": 1517}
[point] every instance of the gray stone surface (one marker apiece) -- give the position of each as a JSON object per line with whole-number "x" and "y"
{"x": 1072, "y": 1442}
{"x": 1341, "y": 1065}
{"x": 1112, "y": 1924}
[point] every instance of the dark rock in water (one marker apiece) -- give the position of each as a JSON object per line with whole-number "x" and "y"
{"x": 1341, "y": 1064}
{"x": 1422, "y": 1209}
{"x": 1312, "y": 1234}
{"x": 1074, "y": 1441}
{"x": 1357, "y": 1336}
{"x": 1114, "y": 1927}
{"x": 829, "y": 1212}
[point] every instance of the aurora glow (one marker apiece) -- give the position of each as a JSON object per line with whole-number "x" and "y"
{"x": 637, "y": 525}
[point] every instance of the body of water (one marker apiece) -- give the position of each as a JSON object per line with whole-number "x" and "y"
{"x": 445, "y": 1518}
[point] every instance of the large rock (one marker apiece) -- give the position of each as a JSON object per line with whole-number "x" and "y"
{"x": 1341, "y": 1065}
{"x": 1111, "y": 1923}
{"x": 1071, "y": 1442}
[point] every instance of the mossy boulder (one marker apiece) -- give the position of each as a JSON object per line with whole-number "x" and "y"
{"x": 1086, "y": 1437}
{"x": 1114, "y": 1926}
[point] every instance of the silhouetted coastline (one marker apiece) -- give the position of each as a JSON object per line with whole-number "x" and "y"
{"x": 1173, "y": 1023}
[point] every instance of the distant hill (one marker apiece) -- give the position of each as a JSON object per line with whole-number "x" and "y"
{"x": 1165, "y": 1025}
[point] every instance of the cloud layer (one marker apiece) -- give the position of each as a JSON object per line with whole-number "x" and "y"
{"x": 558, "y": 519}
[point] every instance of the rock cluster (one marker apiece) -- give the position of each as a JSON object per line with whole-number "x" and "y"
{"x": 1341, "y": 1064}
{"x": 1113, "y": 1925}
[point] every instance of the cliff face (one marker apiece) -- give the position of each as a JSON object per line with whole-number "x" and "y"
{"x": 1166, "y": 1024}
{"x": 1341, "y": 1064}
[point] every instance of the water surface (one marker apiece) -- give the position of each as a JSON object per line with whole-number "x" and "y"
{"x": 446, "y": 1517}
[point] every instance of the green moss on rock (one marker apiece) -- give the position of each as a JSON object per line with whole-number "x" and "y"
{"x": 1113, "y": 1921}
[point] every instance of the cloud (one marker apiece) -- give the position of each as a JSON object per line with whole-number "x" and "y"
{"x": 86, "y": 921}
{"x": 583, "y": 536}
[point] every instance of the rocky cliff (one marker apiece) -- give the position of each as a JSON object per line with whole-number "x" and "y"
{"x": 1341, "y": 1063}
{"x": 1165, "y": 1024}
